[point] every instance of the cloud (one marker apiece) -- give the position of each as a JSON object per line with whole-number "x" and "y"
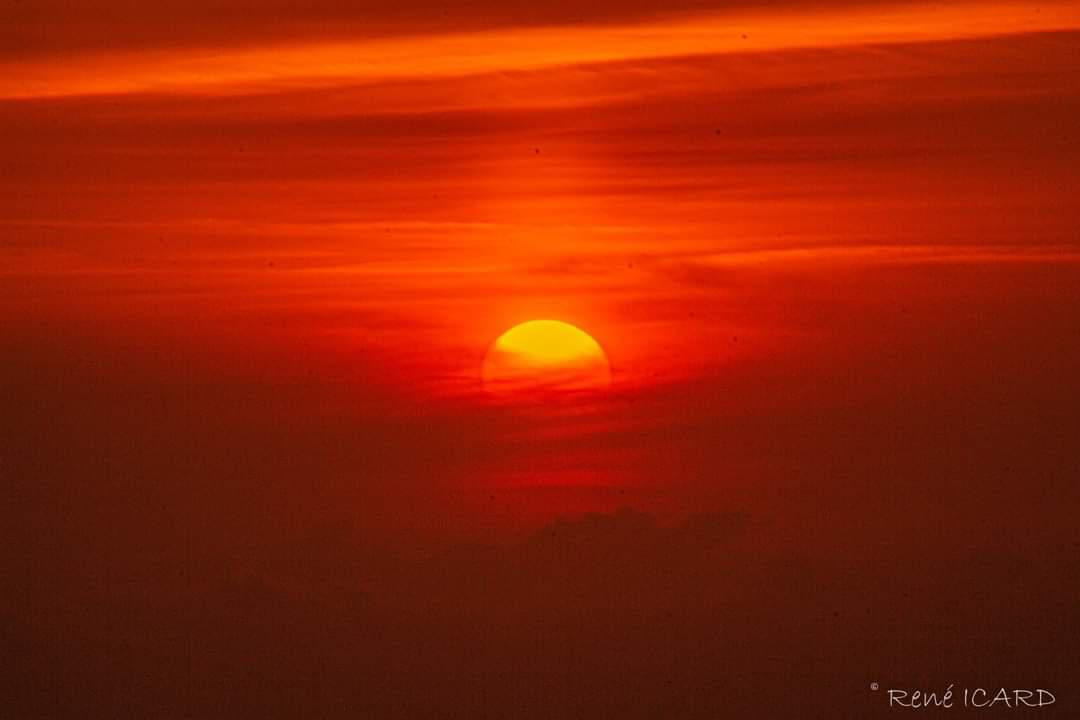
{"x": 333, "y": 63}
{"x": 64, "y": 28}
{"x": 606, "y": 613}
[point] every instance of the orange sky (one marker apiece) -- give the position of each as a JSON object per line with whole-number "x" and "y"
{"x": 706, "y": 190}
{"x": 253, "y": 252}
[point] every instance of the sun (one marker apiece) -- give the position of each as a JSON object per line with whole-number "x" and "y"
{"x": 542, "y": 355}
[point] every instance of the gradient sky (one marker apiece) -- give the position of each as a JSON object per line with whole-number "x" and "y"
{"x": 252, "y": 255}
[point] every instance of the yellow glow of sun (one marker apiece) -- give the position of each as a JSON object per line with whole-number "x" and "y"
{"x": 545, "y": 355}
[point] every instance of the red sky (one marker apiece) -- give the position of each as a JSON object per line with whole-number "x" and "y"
{"x": 252, "y": 254}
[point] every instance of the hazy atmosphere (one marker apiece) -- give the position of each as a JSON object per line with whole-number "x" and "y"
{"x": 821, "y": 263}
